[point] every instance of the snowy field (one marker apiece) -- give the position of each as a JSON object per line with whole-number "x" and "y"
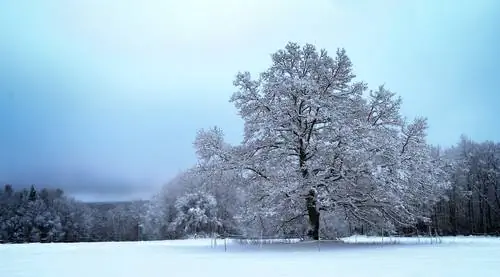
{"x": 356, "y": 257}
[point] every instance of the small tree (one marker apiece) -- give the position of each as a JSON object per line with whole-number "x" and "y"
{"x": 196, "y": 214}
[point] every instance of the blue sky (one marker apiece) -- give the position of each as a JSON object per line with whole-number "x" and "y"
{"x": 103, "y": 98}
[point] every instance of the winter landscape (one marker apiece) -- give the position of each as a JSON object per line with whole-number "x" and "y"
{"x": 323, "y": 169}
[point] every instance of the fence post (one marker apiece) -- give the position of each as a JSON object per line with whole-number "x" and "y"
{"x": 213, "y": 242}
{"x": 225, "y": 244}
{"x": 430, "y": 232}
{"x": 319, "y": 238}
{"x": 261, "y": 238}
{"x": 382, "y": 235}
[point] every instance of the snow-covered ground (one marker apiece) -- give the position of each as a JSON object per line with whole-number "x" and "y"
{"x": 360, "y": 256}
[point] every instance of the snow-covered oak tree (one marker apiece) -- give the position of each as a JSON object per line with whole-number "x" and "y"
{"x": 315, "y": 143}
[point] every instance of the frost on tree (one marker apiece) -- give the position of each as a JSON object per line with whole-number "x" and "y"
{"x": 196, "y": 214}
{"x": 315, "y": 143}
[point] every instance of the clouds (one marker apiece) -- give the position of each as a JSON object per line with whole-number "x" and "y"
{"x": 118, "y": 89}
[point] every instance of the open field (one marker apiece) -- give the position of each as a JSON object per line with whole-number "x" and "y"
{"x": 357, "y": 256}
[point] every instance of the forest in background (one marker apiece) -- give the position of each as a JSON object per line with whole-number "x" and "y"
{"x": 322, "y": 156}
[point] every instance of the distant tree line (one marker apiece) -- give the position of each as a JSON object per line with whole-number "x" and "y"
{"x": 47, "y": 215}
{"x": 321, "y": 157}
{"x": 471, "y": 203}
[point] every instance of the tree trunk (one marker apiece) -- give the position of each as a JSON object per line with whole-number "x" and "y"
{"x": 314, "y": 214}
{"x": 470, "y": 205}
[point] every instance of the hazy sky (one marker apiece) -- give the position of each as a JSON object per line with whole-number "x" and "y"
{"x": 104, "y": 98}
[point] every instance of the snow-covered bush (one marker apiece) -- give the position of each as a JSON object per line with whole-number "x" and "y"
{"x": 196, "y": 215}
